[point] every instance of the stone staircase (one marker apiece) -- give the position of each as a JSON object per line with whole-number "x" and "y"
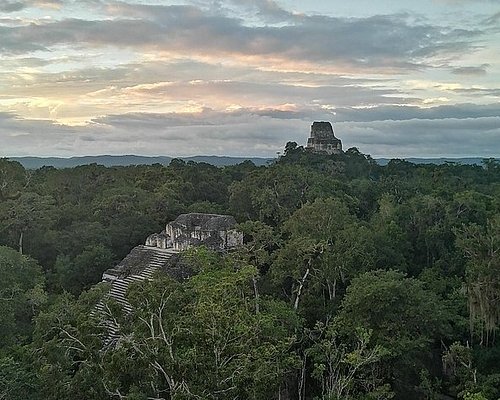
{"x": 153, "y": 259}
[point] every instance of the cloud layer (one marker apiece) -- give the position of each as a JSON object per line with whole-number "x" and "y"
{"x": 242, "y": 77}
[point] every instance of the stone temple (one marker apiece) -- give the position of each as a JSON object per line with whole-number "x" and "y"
{"x": 323, "y": 140}
{"x": 214, "y": 231}
{"x": 217, "y": 232}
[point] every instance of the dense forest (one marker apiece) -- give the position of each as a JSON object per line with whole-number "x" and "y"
{"x": 355, "y": 281}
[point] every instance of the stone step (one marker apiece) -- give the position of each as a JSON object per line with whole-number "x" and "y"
{"x": 157, "y": 263}
{"x": 119, "y": 286}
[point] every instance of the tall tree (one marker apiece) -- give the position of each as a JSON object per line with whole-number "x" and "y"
{"x": 481, "y": 246}
{"x": 28, "y": 212}
{"x": 21, "y": 295}
{"x": 404, "y": 318}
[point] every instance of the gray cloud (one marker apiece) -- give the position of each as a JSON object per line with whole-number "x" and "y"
{"x": 425, "y": 138}
{"x": 244, "y": 92}
{"x": 401, "y": 113}
{"x": 382, "y": 113}
{"x": 245, "y": 135}
{"x": 493, "y": 20}
{"x": 267, "y": 10}
{"x": 384, "y": 131}
{"x": 478, "y": 92}
{"x": 208, "y": 117}
{"x": 480, "y": 70}
{"x": 235, "y": 68}
{"x": 395, "y": 41}
{"x": 12, "y": 6}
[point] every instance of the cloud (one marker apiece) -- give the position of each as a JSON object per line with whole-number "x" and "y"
{"x": 265, "y": 10}
{"x": 207, "y": 117}
{"x": 246, "y": 93}
{"x": 161, "y": 86}
{"x": 425, "y": 138}
{"x": 401, "y": 113}
{"x": 244, "y": 135}
{"x": 464, "y": 130}
{"x": 240, "y": 77}
{"x": 478, "y": 92}
{"x": 493, "y": 20}
{"x": 12, "y": 6}
{"x": 395, "y": 41}
{"x": 480, "y": 70}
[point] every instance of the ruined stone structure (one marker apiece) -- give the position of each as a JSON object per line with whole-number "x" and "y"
{"x": 160, "y": 240}
{"x": 212, "y": 230}
{"x": 217, "y": 232}
{"x": 139, "y": 265}
{"x": 323, "y": 139}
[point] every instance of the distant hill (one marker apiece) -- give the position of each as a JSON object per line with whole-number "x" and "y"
{"x": 437, "y": 161}
{"x": 227, "y": 160}
{"x": 113, "y": 161}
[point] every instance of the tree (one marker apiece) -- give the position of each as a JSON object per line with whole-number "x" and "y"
{"x": 21, "y": 295}
{"x": 391, "y": 242}
{"x": 346, "y": 366}
{"x": 458, "y": 365}
{"x": 28, "y": 212}
{"x": 68, "y": 341}
{"x": 404, "y": 318}
{"x": 13, "y": 179}
{"x": 84, "y": 270}
{"x": 481, "y": 246}
{"x": 326, "y": 247}
{"x": 261, "y": 241}
{"x": 271, "y": 195}
{"x": 17, "y": 381}
{"x": 292, "y": 153}
{"x": 203, "y": 338}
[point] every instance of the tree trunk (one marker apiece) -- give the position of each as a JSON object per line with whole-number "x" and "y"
{"x": 299, "y": 291}
{"x": 332, "y": 289}
{"x": 257, "y": 297}
{"x": 21, "y": 242}
{"x": 302, "y": 381}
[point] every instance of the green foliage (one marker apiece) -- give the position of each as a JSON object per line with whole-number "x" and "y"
{"x": 205, "y": 338}
{"x": 27, "y": 213}
{"x": 68, "y": 345}
{"x": 21, "y": 295}
{"x": 346, "y": 366}
{"x": 404, "y": 317}
{"x": 17, "y": 381}
{"x": 474, "y": 396}
{"x": 355, "y": 281}
{"x": 78, "y": 274}
{"x": 482, "y": 249}
{"x": 398, "y": 309}
{"x": 273, "y": 194}
{"x": 13, "y": 178}
{"x": 327, "y": 246}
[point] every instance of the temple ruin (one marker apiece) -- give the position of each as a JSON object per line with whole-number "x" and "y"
{"x": 217, "y": 232}
{"x": 214, "y": 231}
{"x": 323, "y": 140}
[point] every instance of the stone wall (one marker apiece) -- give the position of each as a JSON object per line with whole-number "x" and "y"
{"x": 211, "y": 230}
{"x": 323, "y": 140}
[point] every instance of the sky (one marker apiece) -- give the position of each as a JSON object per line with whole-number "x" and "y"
{"x": 397, "y": 78}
